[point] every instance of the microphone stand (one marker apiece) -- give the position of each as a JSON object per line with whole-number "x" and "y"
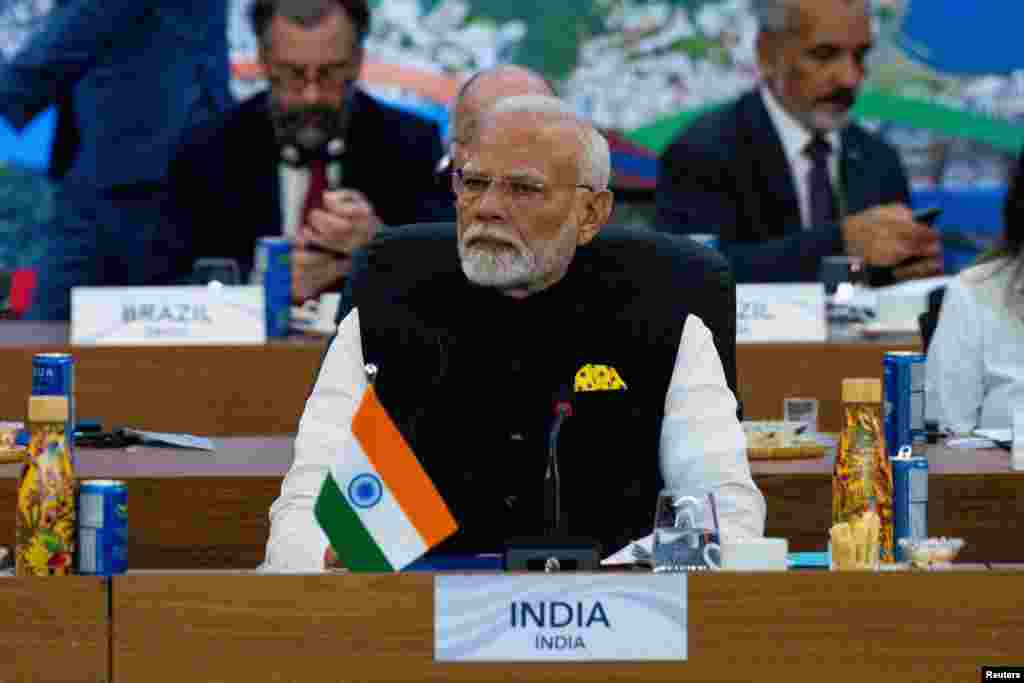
{"x": 552, "y": 478}
{"x": 555, "y": 550}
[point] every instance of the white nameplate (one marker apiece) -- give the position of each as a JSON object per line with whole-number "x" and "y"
{"x": 201, "y": 314}
{"x": 780, "y": 313}
{"x": 560, "y": 617}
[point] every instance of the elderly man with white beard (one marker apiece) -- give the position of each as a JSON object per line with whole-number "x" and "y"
{"x": 478, "y": 329}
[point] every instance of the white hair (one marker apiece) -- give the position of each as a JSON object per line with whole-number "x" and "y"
{"x": 776, "y": 15}
{"x": 595, "y": 159}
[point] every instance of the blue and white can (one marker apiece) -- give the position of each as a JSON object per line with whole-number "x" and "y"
{"x": 909, "y": 499}
{"x": 904, "y": 401}
{"x": 53, "y": 374}
{"x": 273, "y": 270}
{"x": 102, "y": 527}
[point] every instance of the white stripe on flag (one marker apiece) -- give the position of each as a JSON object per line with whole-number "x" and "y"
{"x": 386, "y": 522}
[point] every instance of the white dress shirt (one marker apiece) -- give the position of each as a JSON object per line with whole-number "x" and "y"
{"x": 975, "y": 366}
{"x": 795, "y": 139}
{"x": 702, "y": 444}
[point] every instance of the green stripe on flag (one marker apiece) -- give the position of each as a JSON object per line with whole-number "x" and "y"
{"x": 352, "y": 543}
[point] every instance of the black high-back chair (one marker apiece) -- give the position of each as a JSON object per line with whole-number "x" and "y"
{"x": 715, "y": 301}
{"x": 929, "y": 320}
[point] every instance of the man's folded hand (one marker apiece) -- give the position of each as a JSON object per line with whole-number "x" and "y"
{"x": 313, "y": 272}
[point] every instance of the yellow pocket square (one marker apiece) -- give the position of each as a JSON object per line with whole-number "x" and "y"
{"x": 598, "y": 378}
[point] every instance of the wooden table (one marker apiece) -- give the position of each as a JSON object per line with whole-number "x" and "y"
{"x": 187, "y": 509}
{"x": 769, "y": 373}
{"x": 192, "y": 510}
{"x": 972, "y": 495}
{"x": 239, "y": 391}
{"x": 206, "y": 390}
{"x": 795, "y": 626}
{"x": 54, "y": 629}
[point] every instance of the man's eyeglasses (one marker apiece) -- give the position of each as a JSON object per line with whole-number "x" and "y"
{"x": 296, "y": 78}
{"x": 470, "y": 186}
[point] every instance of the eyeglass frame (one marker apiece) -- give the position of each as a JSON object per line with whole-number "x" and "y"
{"x": 296, "y": 79}
{"x": 505, "y": 184}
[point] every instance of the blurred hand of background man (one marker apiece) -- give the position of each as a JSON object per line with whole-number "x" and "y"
{"x": 888, "y": 235}
{"x": 313, "y": 272}
{"x": 346, "y": 223}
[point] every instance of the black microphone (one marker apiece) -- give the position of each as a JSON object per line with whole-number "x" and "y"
{"x": 555, "y": 550}
{"x": 552, "y": 478}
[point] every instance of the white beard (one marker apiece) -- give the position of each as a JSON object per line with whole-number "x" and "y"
{"x": 505, "y": 261}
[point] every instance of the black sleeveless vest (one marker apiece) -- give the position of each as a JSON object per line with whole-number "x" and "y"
{"x": 471, "y": 377}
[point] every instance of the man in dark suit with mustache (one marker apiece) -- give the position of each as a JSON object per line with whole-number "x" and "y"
{"x": 314, "y": 159}
{"x": 782, "y": 176}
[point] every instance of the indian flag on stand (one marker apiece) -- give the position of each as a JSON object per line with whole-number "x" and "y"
{"x": 377, "y": 506}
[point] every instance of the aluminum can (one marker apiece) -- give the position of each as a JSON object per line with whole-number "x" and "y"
{"x": 904, "y": 401}
{"x": 53, "y": 374}
{"x": 273, "y": 270}
{"x": 909, "y": 499}
{"x": 103, "y": 527}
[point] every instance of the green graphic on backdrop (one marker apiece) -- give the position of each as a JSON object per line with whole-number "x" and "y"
{"x": 997, "y": 133}
{"x": 646, "y": 68}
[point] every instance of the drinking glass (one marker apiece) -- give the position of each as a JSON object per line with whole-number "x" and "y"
{"x": 686, "y": 532}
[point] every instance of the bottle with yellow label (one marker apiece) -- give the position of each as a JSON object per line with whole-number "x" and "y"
{"x": 45, "y": 531}
{"x": 862, "y": 476}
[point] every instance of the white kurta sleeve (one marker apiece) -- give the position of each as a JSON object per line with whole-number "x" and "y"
{"x": 955, "y": 366}
{"x": 296, "y": 542}
{"x": 702, "y": 441}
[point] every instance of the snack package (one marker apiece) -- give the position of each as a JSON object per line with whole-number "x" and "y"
{"x": 855, "y": 543}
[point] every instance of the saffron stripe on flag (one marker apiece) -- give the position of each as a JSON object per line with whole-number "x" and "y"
{"x": 352, "y": 543}
{"x": 392, "y": 458}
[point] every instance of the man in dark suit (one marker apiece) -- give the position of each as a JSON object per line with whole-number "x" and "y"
{"x": 315, "y": 159}
{"x": 782, "y": 176}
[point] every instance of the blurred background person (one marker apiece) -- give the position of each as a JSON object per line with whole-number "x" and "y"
{"x": 129, "y": 76}
{"x": 314, "y": 158}
{"x": 480, "y": 92}
{"x": 782, "y": 175}
{"x": 975, "y": 366}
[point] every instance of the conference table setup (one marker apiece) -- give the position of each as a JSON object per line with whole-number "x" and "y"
{"x": 192, "y": 509}
{"x": 194, "y": 604}
{"x": 637, "y": 226}
{"x": 220, "y": 390}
